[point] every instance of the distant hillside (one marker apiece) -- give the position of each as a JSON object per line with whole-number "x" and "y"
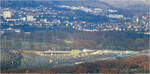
{"x": 133, "y": 6}
{"x": 23, "y": 3}
{"x": 33, "y": 3}
{"x": 126, "y": 3}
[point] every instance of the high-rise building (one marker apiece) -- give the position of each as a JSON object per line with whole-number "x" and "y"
{"x": 7, "y": 14}
{"x": 30, "y": 18}
{"x": 137, "y": 20}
